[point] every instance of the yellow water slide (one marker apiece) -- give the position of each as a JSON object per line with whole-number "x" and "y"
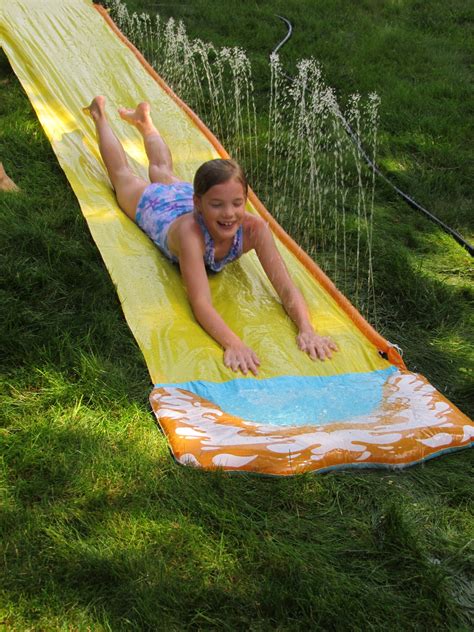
{"x": 360, "y": 409}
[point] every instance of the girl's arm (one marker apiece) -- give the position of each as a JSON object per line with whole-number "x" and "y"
{"x": 237, "y": 355}
{"x": 261, "y": 238}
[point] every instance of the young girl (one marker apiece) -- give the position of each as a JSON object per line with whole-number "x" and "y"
{"x": 205, "y": 226}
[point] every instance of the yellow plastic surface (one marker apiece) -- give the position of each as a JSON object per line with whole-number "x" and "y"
{"x": 64, "y": 54}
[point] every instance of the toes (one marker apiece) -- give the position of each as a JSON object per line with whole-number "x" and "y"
{"x": 125, "y": 112}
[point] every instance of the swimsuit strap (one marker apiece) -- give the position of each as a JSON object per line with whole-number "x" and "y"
{"x": 209, "y": 255}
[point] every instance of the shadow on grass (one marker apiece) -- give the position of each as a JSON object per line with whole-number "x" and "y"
{"x": 425, "y": 298}
{"x": 100, "y": 521}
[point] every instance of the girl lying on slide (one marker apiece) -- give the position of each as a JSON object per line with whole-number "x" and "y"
{"x": 201, "y": 226}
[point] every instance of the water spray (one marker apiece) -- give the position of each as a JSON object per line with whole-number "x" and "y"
{"x": 375, "y": 169}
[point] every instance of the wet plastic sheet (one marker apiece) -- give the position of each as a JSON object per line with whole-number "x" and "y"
{"x": 400, "y": 421}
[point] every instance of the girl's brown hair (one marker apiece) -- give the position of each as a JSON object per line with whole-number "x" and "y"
{"x": 217, "y": 172}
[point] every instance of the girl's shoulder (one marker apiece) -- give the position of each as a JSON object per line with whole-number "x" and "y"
{"x": 184, "y": 233}
{"x": 253, "y": 225}
{"x": 253, "y": 222}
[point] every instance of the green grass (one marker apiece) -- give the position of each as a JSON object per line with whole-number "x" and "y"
{"x": 99, "y": 529}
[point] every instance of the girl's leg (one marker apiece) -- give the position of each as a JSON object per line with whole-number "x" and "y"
{"x": 128, "y": 186}
{"x": 159, "y": 156}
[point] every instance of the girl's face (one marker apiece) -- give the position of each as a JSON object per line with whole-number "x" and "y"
{"x": 222, "y": 208}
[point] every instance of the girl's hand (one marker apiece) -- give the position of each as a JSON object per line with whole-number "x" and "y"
{"x": 238, "y": 356}
{"x": 315, "y": 346}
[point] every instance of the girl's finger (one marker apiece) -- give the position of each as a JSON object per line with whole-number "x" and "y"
{"x": 253, "y": 367}
{"x": 321, "y": 352}
{"x": 313, "y": 351}
{"x": 243, "y": 366}
{"x": 330, "y": 343}
{"x": 327, "y": 351}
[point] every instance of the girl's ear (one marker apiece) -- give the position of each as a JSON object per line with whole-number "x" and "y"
{"x": 197, "y": 202}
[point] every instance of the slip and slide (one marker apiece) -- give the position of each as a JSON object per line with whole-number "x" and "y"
{"x": 363, "y": 408}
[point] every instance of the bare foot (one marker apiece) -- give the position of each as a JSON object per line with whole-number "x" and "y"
{"x": 6, "y": 183}
{"x": 96, "y": 108}
{"x": 139, "y": 117}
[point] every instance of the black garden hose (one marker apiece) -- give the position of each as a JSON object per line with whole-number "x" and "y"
{"x": 356, "y": 140}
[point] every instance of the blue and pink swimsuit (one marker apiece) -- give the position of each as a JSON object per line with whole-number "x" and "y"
{"x": 158, "y": 208}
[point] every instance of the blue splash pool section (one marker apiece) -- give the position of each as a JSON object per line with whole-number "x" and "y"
{"x": 295, "y": 400}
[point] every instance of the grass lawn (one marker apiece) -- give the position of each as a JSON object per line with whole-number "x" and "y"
{"x": 99, "y": 529}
